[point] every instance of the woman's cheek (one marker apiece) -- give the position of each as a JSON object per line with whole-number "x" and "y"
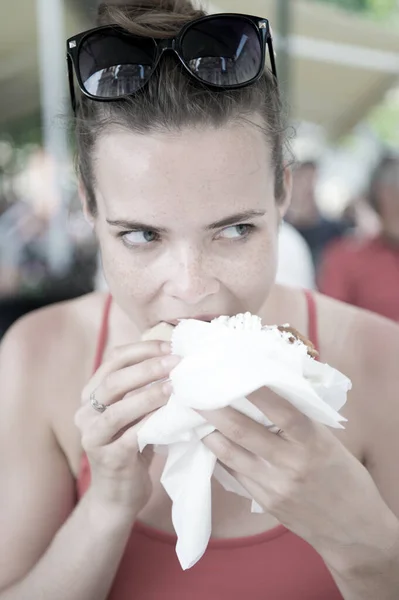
{"x": 121, "y": 269}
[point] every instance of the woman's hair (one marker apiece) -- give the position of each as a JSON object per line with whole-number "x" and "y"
{"x": 172, "y": 100}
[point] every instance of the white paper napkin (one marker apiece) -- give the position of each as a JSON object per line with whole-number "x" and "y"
{"x": 222, "y": 362}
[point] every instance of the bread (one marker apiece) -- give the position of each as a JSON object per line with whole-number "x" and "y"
{"x": 162, "y": 331}
{"x": 295, "y": 335}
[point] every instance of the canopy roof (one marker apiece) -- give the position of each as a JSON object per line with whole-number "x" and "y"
{"x": 342, "y": 64}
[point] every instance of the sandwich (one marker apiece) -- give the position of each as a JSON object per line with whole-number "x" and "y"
{"x": 164, "y": 331}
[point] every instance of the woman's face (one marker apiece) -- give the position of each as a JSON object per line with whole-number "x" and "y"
{"x": 187, "y": 222}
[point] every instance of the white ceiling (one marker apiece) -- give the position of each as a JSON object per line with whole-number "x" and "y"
{"x": 19, "y": 73}
{"x": 342, "y": 65}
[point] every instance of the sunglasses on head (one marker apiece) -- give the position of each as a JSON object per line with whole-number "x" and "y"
{"x": 224, "y": 51}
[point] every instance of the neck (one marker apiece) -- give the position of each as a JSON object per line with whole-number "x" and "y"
{"x": 122, "y": 330}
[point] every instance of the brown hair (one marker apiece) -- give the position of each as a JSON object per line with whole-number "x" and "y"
{"x": 173, "y": 100}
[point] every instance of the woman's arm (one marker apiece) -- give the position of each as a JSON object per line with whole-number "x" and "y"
{"x": 373, "y": 571}
{"x": 308, "y": 480}
{"x": 48, "y": 549}
{"x": 82, "y": 560}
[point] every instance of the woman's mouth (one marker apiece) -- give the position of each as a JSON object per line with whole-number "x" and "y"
{"x": 207, "y": 318}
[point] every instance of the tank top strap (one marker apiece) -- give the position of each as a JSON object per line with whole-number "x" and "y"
{"x": 313, "y": 330}
{"x": 103, "y": 334}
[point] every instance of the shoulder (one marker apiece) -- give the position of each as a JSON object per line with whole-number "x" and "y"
{"x": 42, "y": 359}
{"x": 55, "y": 328}
{"x": 44, "y": 347}
{"x": 371, "y": 351}
{"x": 353, "y": 324}
{"x": 365, "y": 346}
{"x": 360, "y": 344}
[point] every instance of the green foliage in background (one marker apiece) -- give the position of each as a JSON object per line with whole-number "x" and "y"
{"x": 384, "y": 121}
{"x": 376, "y": 8}
{"x": 384, "y": 118}
{"x": 25, "y": 130}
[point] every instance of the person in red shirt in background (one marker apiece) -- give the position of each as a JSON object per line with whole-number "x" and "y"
{"x": 365, "y": 272}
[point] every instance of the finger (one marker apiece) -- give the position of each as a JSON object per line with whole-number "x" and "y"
{"x": 125, "y": 356}
{"x": 254, "y": 489}
{"x": 128, "y": 440}
{"x": 119, "y": 383}
{"x": 125, "y": 449}
{"x": 233, "y": 456}
{"x": 108, "y": 425}
{"x": 247, "y": 433}
{"x": 295, "y": 425}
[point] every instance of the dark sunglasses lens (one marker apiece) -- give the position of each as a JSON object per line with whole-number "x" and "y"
{"x": 112, "y": 64}
{"x": 223, "y": 51}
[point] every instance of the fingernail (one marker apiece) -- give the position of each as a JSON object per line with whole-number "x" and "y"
{"x": 171, "y": 361}
{"x": 166, "y": 347}
{"x": 167, "y": 388}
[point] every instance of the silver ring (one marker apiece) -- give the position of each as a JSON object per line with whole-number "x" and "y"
{"x": 276, "y": 430}
{"x": 95, "y": 404}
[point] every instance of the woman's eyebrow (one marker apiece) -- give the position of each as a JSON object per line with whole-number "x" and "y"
{"x": 135, "y": 225}
{"x": 230, "y": 220}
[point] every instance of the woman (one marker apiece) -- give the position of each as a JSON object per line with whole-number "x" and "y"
{"x": 185, "y": 185}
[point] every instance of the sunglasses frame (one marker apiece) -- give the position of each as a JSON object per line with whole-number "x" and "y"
{"x": 173, "y": 44}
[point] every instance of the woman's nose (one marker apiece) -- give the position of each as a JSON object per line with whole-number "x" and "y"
{"x": 191, "y": 280}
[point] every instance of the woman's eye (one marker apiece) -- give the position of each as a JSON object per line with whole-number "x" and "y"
{"x": 139, "y": 238}
{"x": 236, "y": 231}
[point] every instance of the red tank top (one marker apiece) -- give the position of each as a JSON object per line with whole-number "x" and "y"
{"x": 275, "y": 565}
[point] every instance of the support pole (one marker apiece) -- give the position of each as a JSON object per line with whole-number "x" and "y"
{"x": 53, "y": 87}
{"x": 284, "y": 24}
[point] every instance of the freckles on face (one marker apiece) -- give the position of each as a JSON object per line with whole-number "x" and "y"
{"x": 168, "y": 195}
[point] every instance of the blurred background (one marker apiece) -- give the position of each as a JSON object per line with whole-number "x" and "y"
{"x": 338, "y": 66}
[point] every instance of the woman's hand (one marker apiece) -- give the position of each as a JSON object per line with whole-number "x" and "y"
{"x": 304, "y": 477}
{"x": 131, "y": 384}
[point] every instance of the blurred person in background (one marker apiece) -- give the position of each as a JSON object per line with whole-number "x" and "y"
{"x": 364, "y": 271}
{"x": 185, "y": 187}
{"x": 25, "y": 226}
{"x": 27, "y": 280}
{"x": 22, "y": 247}
{"x": 295, "y": 265}
{"x": 304, "y": 213}
{"x": 360, "y": 218}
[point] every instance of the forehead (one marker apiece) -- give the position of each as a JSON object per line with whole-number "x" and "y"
{"x": 166, "y": 173}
